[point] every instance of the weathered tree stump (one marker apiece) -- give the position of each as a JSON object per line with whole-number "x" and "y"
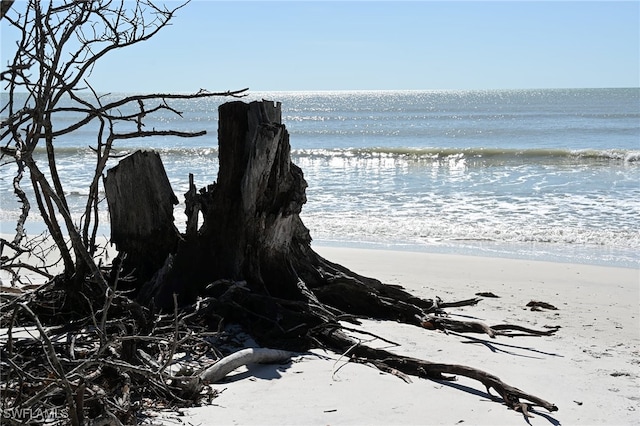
{"x": 252, "y": 260}
{"x": 252, "y": 231}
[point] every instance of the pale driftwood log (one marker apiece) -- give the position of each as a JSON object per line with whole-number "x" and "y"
{"x": 226, "y": 365}
{"x": 218, "y": 371}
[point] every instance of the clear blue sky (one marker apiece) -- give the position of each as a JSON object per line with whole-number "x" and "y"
{"x": 335, "y": 45}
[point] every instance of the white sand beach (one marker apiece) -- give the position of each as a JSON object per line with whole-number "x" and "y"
{"x": 590, "y": 369}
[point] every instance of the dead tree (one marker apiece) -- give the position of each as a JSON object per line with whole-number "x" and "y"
{"x": 252, "y": 260}
{"x": 57, "y": 46}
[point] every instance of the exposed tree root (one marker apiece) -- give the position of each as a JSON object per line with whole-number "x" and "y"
{"x": 264, "y": 316}
{"x": 433, "y": 322}
{"x": 386, "y": 361}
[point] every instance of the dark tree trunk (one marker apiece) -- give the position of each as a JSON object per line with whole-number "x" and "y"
{"x": 252, "y": 230}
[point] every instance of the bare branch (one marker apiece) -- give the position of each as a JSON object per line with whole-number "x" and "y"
{"x": 5, "y": 5}
{"x": 59, "y": 44}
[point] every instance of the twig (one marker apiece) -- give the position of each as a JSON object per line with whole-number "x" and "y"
{"x": 355, "y": 330}
{"x": 176, "y": 332}
{"x": 344, "y": 354}
{"x": 109, "y": 295}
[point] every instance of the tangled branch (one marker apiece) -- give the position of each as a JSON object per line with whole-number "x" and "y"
{"x": 56, "y": 51}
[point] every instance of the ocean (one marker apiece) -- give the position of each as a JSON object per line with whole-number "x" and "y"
{"x": 535, "y": 174}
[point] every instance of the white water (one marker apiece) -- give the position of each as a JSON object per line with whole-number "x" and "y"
{"x": 550, "y": 174}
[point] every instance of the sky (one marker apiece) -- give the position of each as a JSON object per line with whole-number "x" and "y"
{"x": 377, "y": 45}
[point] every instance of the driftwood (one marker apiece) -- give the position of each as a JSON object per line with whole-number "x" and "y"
{"x": 250, "y": 263}
{"x": 226, "y": 365}
{"x": 253, "y": 260}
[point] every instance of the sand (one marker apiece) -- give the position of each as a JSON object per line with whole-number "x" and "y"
{"x": 590, "y": 369}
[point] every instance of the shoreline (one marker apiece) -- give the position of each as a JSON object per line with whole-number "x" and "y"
{"x": 543, "y": 252}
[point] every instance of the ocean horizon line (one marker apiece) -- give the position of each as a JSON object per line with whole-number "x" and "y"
{"x": 331, "y": 91}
